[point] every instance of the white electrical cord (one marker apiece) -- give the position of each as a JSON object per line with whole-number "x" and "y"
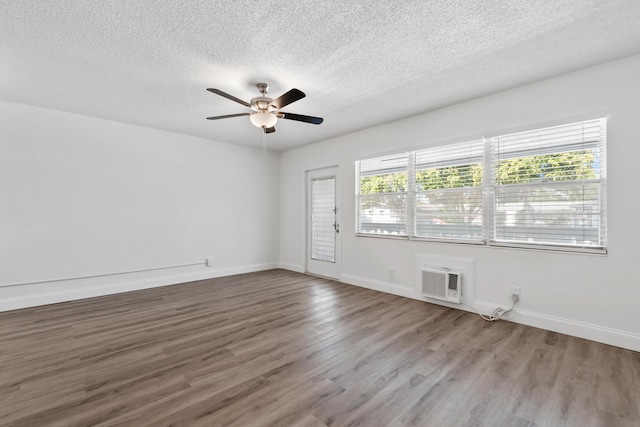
{"x": 498, "y": 313}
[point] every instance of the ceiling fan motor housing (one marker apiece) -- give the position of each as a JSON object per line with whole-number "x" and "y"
{"x": 262, "y": 103}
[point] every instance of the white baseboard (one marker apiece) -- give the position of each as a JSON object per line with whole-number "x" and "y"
{"x": 395, "y": 289}
{"x": 377, "y": 285}
{"x": 292, "y": 267}
{"x": 574, "y": 328}
{"x": 84, "y": 289}
{"x": 246, "y": 269}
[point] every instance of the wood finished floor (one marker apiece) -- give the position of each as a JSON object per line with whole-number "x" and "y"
{"x": 279, "y": 348}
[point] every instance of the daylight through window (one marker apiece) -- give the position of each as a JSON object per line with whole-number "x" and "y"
{"x": 544, "y": 187}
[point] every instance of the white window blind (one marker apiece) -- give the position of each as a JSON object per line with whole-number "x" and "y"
{"x": 381, "y": 190}
{"x": 543, "y": 188}
{"x": 448, "y": 192}
{"x": 323, "y": 203}
{"x": 549, "y": 186}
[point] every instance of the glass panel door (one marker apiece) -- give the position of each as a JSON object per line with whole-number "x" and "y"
{"x": 323, "y": 222}
{"x": 323, "y": 219}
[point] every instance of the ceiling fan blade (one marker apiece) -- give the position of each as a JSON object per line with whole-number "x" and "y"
{"x": 231, "y": 97}
{"x": 227, "y": 116}
{"x": 272, "y": 129}
{"x": 301, "y": 118}
{"x": 292, "y": 96}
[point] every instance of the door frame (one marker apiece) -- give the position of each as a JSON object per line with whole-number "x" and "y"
{"x": 315, "y": 173}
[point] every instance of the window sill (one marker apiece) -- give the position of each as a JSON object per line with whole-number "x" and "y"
{"x": 497, "y": 245}
{"x": 550, "y": 248}
{"x": 384, "y": 236}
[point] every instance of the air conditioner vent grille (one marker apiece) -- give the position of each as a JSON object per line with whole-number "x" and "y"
{"x": 442, "y": 284}
{"x": 433, "y": 284}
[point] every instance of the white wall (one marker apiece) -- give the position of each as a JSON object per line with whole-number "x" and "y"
{"x": 81, "y": 196}
{"x": 592, "y": 296}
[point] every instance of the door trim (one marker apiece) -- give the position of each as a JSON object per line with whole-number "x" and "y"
{"x": 333, "y": 170}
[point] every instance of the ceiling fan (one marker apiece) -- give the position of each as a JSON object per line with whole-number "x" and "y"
{"x": 266, "y": 111}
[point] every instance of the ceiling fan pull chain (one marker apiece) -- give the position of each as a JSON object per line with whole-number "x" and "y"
{"x": 264, "y": 144}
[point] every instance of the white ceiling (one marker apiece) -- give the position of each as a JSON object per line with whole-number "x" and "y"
{"x": 361, "y": 63}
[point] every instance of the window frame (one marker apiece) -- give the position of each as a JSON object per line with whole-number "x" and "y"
{"x": 452, "y": 161}
{"x": 488, "y": 191}
{"x": 406, "y": 194}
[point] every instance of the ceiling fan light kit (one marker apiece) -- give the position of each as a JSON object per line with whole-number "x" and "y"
{"x": 266, "y": 111}
{"x": 263, "y": 119}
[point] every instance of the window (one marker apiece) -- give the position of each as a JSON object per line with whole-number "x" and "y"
{"x": 549, "y": 186}
{"x": 382, "y": 195}
{"x": 544, "y": 187}
{"x": 448, "y": 192}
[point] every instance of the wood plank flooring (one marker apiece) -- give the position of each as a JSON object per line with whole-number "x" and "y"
{"x": 278, "y": 348}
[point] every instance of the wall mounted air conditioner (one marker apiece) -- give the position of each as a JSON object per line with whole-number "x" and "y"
{"x": 442, "y": 284}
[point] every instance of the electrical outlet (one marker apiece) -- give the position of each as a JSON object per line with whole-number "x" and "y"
{"x": 208, "y": 262}
{"x": 392, "y": 273}
{"x": 515, "y": 293}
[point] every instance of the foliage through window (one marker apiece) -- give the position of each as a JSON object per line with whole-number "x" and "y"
{"x": 548, "y": 187}
{"x": 544, "y": 187}
{"x": 382, "y": 190}
{"x": 448, "y": 192}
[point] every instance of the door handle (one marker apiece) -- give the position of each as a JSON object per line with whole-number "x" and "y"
{"x": 336, "y": 227}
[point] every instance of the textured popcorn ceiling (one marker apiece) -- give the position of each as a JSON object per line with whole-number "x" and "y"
{"x": 361, "y": 63}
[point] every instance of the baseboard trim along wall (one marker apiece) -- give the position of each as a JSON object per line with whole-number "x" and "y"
{"x": 61, "y": 291}
{"x": 378, "y": 285}
{"x": 21, "y": 296}
{"x": 587, "y": 331}
{"x": 298, "y": 268}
